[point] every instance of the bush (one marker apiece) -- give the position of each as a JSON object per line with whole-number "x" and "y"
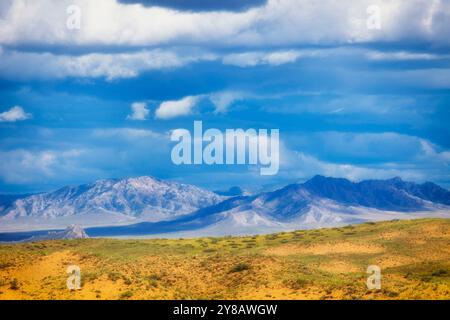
{"x": 126, "y": 295}
{"x": 299, "y": 283}
{"x": 439, "y": 273}
{"x": 426, "y": 278}
{"x": 114, "y": 276}
{"x": 14, "y": 284}
{"x": 242, "y": 266}
{"x": 154, "y": 277}
{"x": 127, "y": 281}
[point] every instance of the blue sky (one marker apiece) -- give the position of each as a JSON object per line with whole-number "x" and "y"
{"x": 100, "y": 101}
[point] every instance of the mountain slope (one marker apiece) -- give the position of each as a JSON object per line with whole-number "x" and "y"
{"x": 6, "y": 200}
{"x": 111, "y": 201}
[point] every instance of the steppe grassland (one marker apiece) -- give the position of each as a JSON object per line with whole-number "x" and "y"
{"x": 414, "y": 257}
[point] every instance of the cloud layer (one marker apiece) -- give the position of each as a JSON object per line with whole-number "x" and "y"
{"x": 279, "y": 22}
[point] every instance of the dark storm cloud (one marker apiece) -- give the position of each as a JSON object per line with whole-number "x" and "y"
{"x": 200, "y": 5}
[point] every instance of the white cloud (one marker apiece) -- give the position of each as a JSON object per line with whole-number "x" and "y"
{"x": 278, "y": 22}
{"x": 14, "y": 114}
{"x": 139, "y": 111}
{"x": 24, "y": 166}
{"x": 176, "y": 108}
{"x": 30, "y": 65}
{"x": 251, "y": 59}
{"x": 280, "y": 57}
{"x": 112, "y": 66}
{"x": 431, "y": 153}
{"x": 422, "y": 160}
{"x": 224, "y": 99}
{"x": 221, "y": 100}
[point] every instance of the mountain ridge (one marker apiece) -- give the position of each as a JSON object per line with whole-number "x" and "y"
{"x": 294, "y": 206}
{"x": 152, "y": 205}
{"x": 128, "y": 199}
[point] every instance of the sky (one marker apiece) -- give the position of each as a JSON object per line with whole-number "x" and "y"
{"x": 92, "y": 89}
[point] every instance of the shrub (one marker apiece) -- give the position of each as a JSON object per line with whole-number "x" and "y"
{"x": 127, "y": 281}
{"x": 426, "y": 278}
{"x": 242, "y": 266}
{"x": 154, "y": 277}
{"x": 14, "y": 284}
{"x": 390, "y": 294}
{"x": 126, "y": 295}
{"x": 299, "y": 283}
{"x": 439, "y": 273}
{"x": 114, "y": 276}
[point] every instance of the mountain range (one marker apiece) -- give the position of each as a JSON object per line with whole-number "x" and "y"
{"x": 106, "y": 202}
{"x": 146, "y": 206}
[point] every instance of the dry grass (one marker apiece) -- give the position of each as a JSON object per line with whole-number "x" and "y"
{"x": 319, "y": 264}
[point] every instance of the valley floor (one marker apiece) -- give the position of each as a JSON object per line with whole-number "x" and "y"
{"x": 414, "y": 257}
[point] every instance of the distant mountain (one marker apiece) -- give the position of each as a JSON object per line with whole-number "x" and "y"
{"x": 107, "y": 202}
{"x": 393, "y": 194}
{"x": 319, "y": 202}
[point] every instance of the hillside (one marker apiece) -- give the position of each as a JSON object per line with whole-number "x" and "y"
{"x": 414, "y": 257}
